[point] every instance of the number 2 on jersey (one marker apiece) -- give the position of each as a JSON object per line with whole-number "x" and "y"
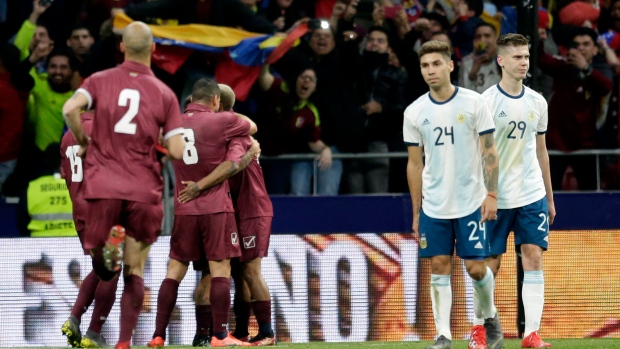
{"x": 77, "y": 172}
{"x": 124, "y": 125}
{"x": 190, "y": 154}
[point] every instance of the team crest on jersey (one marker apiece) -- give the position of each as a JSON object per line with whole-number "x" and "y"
{"x": 460, "y": 118}
{"x": 423, "y": 242}
{"x": 234, "y": 238}
{"x": 531, "y": 115}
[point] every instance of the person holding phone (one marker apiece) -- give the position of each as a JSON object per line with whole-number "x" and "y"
{"x": 479, "y": 70}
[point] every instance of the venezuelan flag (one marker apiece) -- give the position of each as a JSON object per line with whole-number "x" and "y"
{"x": 241, "y": 53}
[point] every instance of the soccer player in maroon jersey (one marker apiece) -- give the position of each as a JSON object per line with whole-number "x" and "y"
{"x": 124, "y": 186}
{"x": 253, "y": 213}
{"x": 204, "y": 227}
{"x": 102, "y": 292}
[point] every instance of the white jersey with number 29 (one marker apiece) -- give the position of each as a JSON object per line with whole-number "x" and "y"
{"x": 518, "y": 119}
{"x": 452, "y": 180}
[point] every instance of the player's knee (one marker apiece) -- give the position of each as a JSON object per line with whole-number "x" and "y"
{"x": 441, "y": 265}
{"x": 477, "y": 271}
{"x": 251, "y": 272}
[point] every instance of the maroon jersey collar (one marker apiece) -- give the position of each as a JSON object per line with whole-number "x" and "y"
{"x": 137, "y": 67}
{"x": 197, "y": 107}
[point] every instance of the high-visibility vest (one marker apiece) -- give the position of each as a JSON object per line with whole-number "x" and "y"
{"x": 50, "y": 208}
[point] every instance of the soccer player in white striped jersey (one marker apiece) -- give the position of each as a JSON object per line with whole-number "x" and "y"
{"x": 455, "y": 191}
{"x": 525, "y": 198}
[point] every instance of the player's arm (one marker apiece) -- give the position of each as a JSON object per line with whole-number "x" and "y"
{"x": 415, "y": 165}
{"x": 543, "y": 161}
{"x": 175, "y": 146}
{"x": 71, "y": 113}
{"x": 222, "y": 172}
{"x": 490, "y": 169}
{"x": 253, "y": 128}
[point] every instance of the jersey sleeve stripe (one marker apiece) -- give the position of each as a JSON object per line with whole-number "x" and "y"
{"x": 491, "y": 130}
{"x": 541, "y": 132}
{"x": 409, "y": 144}
{"x": 176, "y": 131}
{"x": 87, "y": 95}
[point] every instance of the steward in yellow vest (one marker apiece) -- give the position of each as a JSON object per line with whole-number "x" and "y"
{"x": 49, "y": 207}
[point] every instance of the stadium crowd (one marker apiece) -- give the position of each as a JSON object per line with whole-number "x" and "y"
{"x": 343, "y": 89}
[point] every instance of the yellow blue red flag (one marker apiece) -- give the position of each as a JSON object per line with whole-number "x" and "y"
{"x": 241, "y": 53}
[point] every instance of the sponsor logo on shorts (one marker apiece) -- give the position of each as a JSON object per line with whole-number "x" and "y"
{"x": 249, "y": 242}
{"x": 478, "y": 245}
{"x": 234, "y": 238}
{"x": 547, "y": 238}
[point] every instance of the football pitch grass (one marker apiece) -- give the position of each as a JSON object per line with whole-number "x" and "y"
{"x": 606, "y": 343}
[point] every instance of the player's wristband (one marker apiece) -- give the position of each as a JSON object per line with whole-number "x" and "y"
{"x": 492, "y": 195}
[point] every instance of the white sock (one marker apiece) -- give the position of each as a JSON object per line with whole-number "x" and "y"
{"x": 441, "y": 295}
{"x": 484, "y": 303}
{"x": 533, "y": 299}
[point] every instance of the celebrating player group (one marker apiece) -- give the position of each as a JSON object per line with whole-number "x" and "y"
{"x": 111, "y": 162}
{"x": 485, "y": 174}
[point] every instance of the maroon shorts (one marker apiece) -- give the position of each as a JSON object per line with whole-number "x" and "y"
{"x": 212, "y": 237}
{"x": 255, "y": 233}
{"x": 141, "y": 221}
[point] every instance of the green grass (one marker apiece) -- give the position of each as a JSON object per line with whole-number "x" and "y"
{"x": 606, "y": 343}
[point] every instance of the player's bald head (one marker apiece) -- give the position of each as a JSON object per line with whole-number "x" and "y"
{"x": 137, "y": 39}
{"x": 227, "y": 97}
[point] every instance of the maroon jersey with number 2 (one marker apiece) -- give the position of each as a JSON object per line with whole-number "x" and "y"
{"x": 131, "y": 107}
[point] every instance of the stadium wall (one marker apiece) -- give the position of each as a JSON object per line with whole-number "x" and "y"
{"x": 333, "y": 286}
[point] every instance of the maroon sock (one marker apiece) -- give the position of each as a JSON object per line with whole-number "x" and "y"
{"x": 105, "y": 296}
{"x": 85, "y": 295}
{"x": 166, "y": 299}
{"x": 204, "y": 320}
{"x": 131, "y": 305}
{"x": 220, "y": 303}
{"x": 242, "y": 318}
{"x": 262, "y": 311}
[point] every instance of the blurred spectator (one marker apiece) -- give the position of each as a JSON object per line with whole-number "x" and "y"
{"x": 282, "y": 13}
{"x": 80, "y": 41}
{"x": 334, "y": 57}
{"x": 251, "y": 4}
{"x": 464, "y": 28}
{"x": 579, "y": 90}
{"x": 31, "y": 34}
{"x": 227, "y": 13}
{"x": 580, "y": 13}
{"x": 49, "y": 95}
{"x": 12, "y": 111}
{"x": 479, "y": 70}
{"x": 294, "y": 127}
{"x": 382, "y": 90}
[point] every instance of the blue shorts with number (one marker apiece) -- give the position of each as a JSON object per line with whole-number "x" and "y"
{"x": 438, "y": 237}
{"x": 530, "y": 224}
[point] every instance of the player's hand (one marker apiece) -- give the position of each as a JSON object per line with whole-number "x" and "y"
{"x": 255, "y": 148}
{"x": 83, "y": 148}
{"x": 551, "y": 212}
{"x": 416, "y": 226}
{"x": 488, "y": 211}
{"x": 190, "y": 192}
{"x": 325, "y": 159}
